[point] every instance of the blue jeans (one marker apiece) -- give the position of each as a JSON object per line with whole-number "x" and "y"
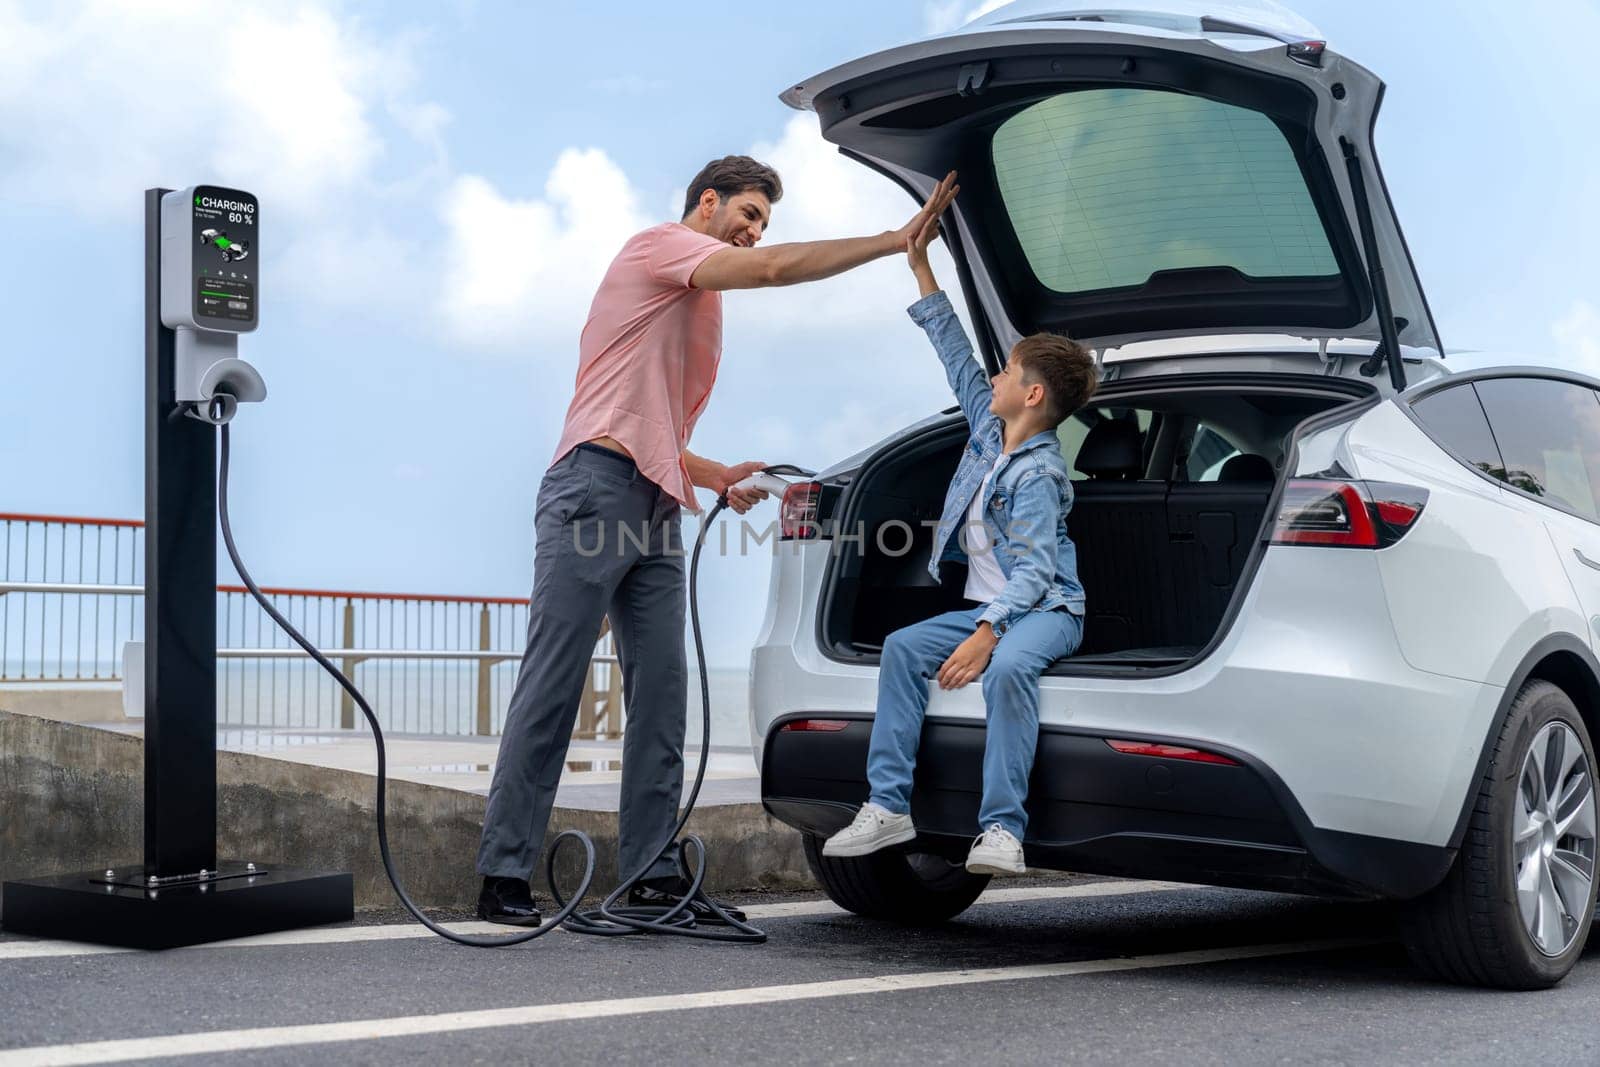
{"x": 912, "y": 656}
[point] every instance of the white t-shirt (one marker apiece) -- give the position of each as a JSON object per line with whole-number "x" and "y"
{"x": 985, "y": 579}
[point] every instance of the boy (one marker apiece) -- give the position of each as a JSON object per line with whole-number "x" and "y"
{"x": 1010, "y": 498}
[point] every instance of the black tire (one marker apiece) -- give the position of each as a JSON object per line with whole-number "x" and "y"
{"x": 910, "y": 889}
{"x": 1469, "y": 929}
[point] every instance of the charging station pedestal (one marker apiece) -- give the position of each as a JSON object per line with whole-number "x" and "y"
{"x": 182, "y": 894}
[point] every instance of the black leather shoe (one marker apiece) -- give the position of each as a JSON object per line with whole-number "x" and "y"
{"x": 665, "y": 892}
{"x": 507, "y": 901}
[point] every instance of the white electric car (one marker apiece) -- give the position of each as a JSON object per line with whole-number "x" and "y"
{"x": 1342, "y": 604}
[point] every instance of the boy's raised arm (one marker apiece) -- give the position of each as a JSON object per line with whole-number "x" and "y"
{"x": 938, "y": 319}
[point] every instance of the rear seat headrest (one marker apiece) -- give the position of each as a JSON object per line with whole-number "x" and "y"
{"x": 1247, "y": 467}
{"x": 1112, "y": 449}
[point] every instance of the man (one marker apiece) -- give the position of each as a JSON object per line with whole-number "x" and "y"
{"x": 607, "y": 520}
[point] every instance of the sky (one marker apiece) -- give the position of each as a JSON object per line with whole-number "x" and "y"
{"x": 443, "y": 183}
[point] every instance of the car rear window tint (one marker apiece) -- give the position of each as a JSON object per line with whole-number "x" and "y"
{"x": 1456, "y": 420}
{"x": 1549, "y": 436}
{"x": 1209, "y": 451}
{"x": 1074, "y": 430}
{"x": 1105, "y": 187}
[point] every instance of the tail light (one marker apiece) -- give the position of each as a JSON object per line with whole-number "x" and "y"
{"x": 1183, "y": 752}
{"x": 819, "y": 726}
{"x": 797, "y": 513}
{"x": 1346, "y": 514}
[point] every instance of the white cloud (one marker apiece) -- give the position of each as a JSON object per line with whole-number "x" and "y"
{"x": 101, "y": 100}
{"x": 521, "y": 270}
{"x": 293, "y": 102}
{"x": 827, "y": 195}
{"x": 813, "y": 372}
{"x": 309, "y": 109}
{"x": 942, "y": 16}
{"x": 312, "y": 110}
{"x": 526, "y": 269}
{"x": 1577, "y": 335}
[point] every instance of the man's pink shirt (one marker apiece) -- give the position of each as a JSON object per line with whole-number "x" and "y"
{"x": 648, "y": 355}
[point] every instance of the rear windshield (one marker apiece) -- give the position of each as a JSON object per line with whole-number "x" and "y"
{"x": 1105, "y": 187}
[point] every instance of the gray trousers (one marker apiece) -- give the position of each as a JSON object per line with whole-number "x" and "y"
{"x": 608, "y": 543}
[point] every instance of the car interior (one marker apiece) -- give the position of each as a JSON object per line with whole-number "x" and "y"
{"x": 1170, "y": 491}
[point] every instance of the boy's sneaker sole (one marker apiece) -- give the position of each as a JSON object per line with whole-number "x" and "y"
{"x": 991, "y": 863}
{"x": 866, "y": 846}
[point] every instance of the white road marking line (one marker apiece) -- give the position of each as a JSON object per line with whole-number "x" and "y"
{"x": 30, "y": 949}
{"x": 332, "y": 935}
{"x": 1015, "y": 895}
{"x": 216, "y": 1041}
{"x": 316, "y": 935}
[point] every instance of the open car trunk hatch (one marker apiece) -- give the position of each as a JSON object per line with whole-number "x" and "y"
{"x": 1131, "y": 176}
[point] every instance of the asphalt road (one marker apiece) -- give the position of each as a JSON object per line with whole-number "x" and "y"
{"x": 1064, "y": 972}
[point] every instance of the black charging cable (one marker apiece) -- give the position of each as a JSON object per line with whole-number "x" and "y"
{"x": 383, "y": 779}
{"x": 612, "y": 918}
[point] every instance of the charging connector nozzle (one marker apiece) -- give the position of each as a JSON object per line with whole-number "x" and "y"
{"x": 210, "y": 380}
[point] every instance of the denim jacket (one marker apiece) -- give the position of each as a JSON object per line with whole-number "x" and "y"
{"x": 1026, "y": 513}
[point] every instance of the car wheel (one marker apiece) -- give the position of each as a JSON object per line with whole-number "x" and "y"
{"x": 913, "y": 889}
{"x": 1515, "y": 910}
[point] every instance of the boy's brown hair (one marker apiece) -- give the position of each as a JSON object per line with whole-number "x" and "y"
{"x": 1064, "y": 367}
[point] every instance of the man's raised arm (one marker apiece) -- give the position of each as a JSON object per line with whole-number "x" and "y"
{"x": 809, "y": 261}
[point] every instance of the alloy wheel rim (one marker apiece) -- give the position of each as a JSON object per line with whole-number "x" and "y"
{"x": 1553, "y": 838}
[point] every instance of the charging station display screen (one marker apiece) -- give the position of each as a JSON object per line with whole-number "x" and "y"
{"x": 225, "y": 227}
{"x": 218, "y": 298}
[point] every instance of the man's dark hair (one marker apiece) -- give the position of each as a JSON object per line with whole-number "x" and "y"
{"x": 1064, "y": 367}
{"x": 730, "y": 176}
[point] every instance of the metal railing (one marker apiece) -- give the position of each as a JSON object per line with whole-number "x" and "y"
{"x": 74, "y": 632}
{"x": 71, "y": 596}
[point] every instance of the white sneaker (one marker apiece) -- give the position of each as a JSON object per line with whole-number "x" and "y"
{"x": 996, "y": 851}
{"x": 874, "y": 828}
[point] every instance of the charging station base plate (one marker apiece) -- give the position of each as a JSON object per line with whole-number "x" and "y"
{"x": 234, "y": 903}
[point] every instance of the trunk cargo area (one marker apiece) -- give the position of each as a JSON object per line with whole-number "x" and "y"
{"x": 1160, "y": 559}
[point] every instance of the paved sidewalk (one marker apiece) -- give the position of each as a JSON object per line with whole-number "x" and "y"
{"x": 454, "y": 761}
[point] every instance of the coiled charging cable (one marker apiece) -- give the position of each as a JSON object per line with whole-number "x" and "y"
{"x": 612, "y": 918}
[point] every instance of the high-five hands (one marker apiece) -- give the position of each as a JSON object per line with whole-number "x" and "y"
{"x": 918, "y": 240}
{"x": 917, "y": 245}
{"x": 932, "y": 208}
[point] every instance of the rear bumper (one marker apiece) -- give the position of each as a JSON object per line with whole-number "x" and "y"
{"x": 1095, "y": 810}
{"x": 1368, "y": 745}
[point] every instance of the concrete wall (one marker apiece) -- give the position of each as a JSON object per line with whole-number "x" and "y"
{"x": 72, "y": 798}
{"x": 68, "y": 702}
